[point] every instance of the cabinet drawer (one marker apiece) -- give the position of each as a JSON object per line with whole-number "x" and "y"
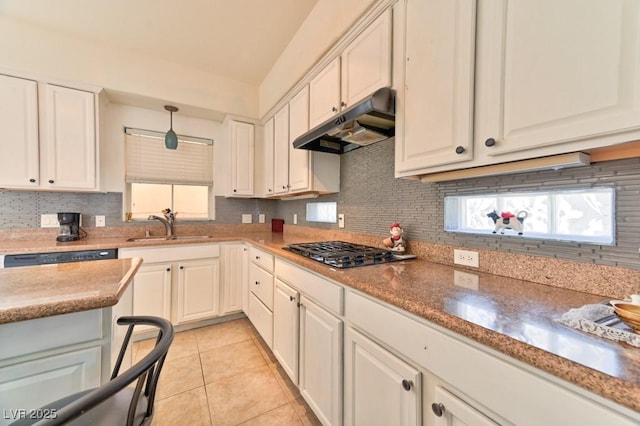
{"x": 262, "y": 258}
{"x": 328, "y": 294}
{"x": 261, "y": 318}
{"x": 399, "y": 332}
{"x": 261, "y": 284}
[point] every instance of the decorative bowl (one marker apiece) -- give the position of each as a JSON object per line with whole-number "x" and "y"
{"x": 629, "y": 313}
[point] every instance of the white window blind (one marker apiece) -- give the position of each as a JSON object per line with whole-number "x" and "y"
{"x": 148, "y": 161}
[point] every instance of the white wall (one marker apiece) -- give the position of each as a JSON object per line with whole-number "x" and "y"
{"x": 52, "y": 55}
{"x": 326, "y": 24}
{"x": 116, "y": 117}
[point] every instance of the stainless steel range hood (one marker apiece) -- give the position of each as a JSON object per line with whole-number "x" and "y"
{"x": 370, "y": 120}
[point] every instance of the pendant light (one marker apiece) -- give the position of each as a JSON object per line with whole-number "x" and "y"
{"x": 171, "y": 139}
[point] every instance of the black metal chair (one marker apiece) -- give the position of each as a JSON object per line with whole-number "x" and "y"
{"x": 115, "y": 402}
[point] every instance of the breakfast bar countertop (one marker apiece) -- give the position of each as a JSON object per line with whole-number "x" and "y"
{"x": 30, "y": 292}
{"x": 512, "y": 316}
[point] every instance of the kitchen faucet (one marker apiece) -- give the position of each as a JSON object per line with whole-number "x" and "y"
{"x": 167, "y": 220}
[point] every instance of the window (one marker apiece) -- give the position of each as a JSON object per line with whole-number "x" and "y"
{"x": 322, "y": 212}
{"x": 157, "y": 178}
{"x": 568, "y": 215}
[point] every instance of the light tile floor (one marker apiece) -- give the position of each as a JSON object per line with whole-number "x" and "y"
{"x": 224, "y": 374}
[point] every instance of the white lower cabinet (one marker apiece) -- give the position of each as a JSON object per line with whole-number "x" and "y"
{"x": 235, "y": 266}
{"x": 260, "y": 293}
{"x": 179, "y": 283}
{"x": 380, "y": 388}
{"x": 286, "y": 327}
{"x": 321, "y": 336}
{"x": 198, "y": 290}
{"x": 450, "y": 410}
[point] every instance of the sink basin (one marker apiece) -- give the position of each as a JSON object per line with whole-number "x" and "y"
{"x": 164, "y": 238}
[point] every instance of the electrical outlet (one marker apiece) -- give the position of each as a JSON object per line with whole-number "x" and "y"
{"x": 247, "y": 218}
{"x": 49, "y": 221}
{"x": 261, "y": 218}
{"x": 100, "y": 221}
{"x": 466, "y": 258}
{"x": 341, "y": 220}
{"x": 295, "y": 218}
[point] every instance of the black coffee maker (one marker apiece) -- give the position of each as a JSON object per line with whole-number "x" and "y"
{"x": 69, "y": 227}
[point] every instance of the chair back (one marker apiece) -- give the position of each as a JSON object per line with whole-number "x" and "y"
{"x": 105, "y": 404}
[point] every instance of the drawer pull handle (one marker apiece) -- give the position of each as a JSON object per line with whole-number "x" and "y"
{"x": 407, "y": 385}
{"x": 437, "y": 408}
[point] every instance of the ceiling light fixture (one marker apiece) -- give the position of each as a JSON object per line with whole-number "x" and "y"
{"x": 171, "y": 139}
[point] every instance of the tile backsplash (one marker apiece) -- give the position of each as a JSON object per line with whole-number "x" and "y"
{"x": 371, "y": 199}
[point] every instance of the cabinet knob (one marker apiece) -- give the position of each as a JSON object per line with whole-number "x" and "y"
{"x": 270, "y": 190}
{"x": 168, "y": 269}
{"x": 291, "y": 298}
{"x": 32, "y": 180}
{"x": 51, "y": 181}
{"x": 437, "y": 408}
{"x": 407, "y": 385}
{"x": 490, "y": 142}
{"x": 181, "y": 267}
{"x": 257, "y": 257}
{"x": 459, "y": 149}
{"x": 235, "y": 190}
{"x": 334, "y": 109}
{"x": 284, "y": 187}
{"x": 257, "y": 282}
{"x": 343, "y": 104}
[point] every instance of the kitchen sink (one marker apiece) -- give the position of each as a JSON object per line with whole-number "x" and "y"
{"x": 164, "y": 238}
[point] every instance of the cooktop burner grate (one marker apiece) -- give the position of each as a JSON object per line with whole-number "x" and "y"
{"x": 341, "y": 254}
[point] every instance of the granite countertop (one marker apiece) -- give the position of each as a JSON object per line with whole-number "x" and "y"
{"x": 509, "y": 315}
{"x": 30, "y": 292}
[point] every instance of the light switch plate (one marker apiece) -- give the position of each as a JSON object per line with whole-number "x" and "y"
{"x": 49, "y": 221}
{"x": 247, "y": 218}
{"x": 100, "y": 221}
{"x": 295, "y": 218}
{"x": 261, "y": 218}
{"x": 341, "y": 220}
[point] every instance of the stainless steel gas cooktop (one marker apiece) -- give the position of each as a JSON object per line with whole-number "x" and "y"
{"x": 341, "y": 254}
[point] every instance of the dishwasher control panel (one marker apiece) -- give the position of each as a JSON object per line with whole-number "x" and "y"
{"x": 28, "y": 259}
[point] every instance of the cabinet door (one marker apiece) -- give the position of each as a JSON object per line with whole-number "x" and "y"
{"x": 321, "y": 361}
{"x": 198, "y": 290}
{"x": 324, "y": 94}
{"x": 19, "y": 162}
{"x": 437, "y": 125}
{"x": 242, "y": 157}
{"x": 235, "y": 269}
{"x": 299, "y": 165}
{"x": 281, "y": 151}
{"x": 37, "y": 382}
{"x": 570, "y": 87}
{"x": 286, "y": 328}
{"x": 152, "y": 292}
{"x": 68, "y": 145}
{"x": 380, "y": 388}
{"x": 366, "y": 62}
{"x": 267, "y": 159}
{"x": 449, "y": 410}
{"x": 261, "y": 318}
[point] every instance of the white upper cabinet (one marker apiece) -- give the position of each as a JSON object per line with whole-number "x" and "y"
{"x": 19, "y": 162}
{"x": 366, "y": 62}
{"x": 437, "y": 91}
{"x": 52, "y": 130}
{"x": 551, "y": 77}
{"x": 242, "y": 141}
{"x": 572, "y": 85}
{"x": 281, "y": 151}
{"x": 267, "y": 158}
{"x": 324, "y": 93}
{"x": 363, "y": 67}
{"x": 69, "y": 135}
{"x": 299, "y": 164}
